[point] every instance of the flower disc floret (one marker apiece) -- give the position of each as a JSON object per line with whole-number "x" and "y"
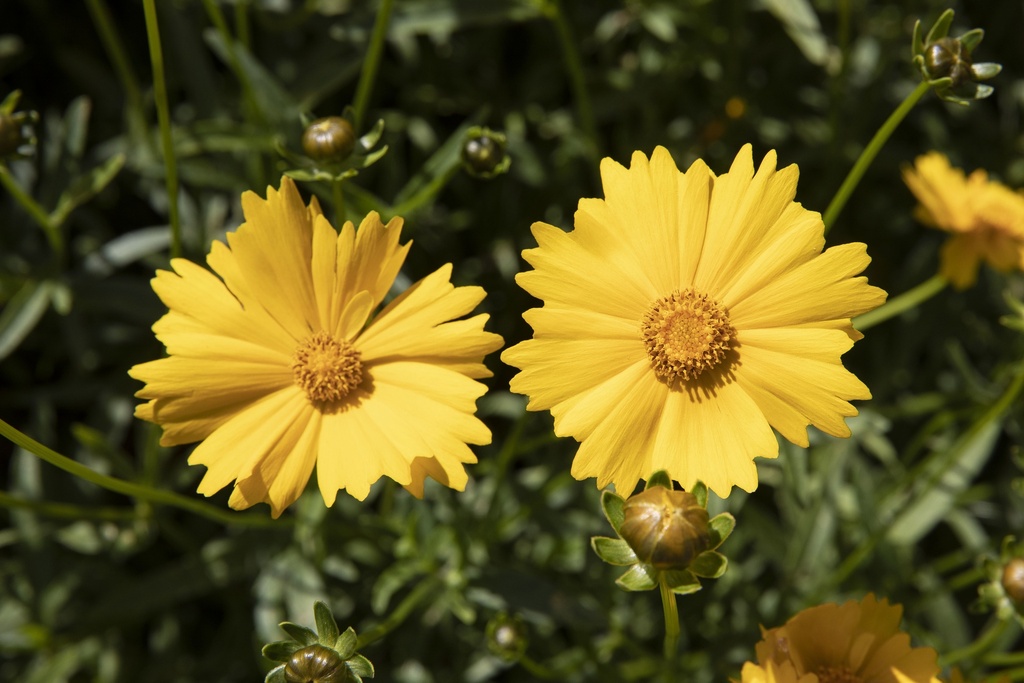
{"x": 327, "y": 369}
{"x": 686, "y": 333}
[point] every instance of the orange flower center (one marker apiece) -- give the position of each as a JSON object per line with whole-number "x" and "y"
{"x": 327, "y": 369}
{"x": 685, "y": 334}
{"x": 837, "y": 674}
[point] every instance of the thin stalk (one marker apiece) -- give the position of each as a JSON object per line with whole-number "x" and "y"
{"x": 424, "y": 590}
{"x": 912, "y": 298}
{"x": 339, "y": 203}
{"x": 242, "y": 23}
{"x": 574, "y": 65}
{"x": 671, "y": 609}
{"x": 146, "y": 493}
{"x": 164, "y": 118}
{"x": 984, "y": 642}
{"x": 34, "y": 210}
{"x": 65, "y": 510}
{"x": 114, "y": 47}
{"x": 1003, "y": 659}
{"x": 428, "y": 192}
{"x": 369, "y": 73}
{"x": 1009, "y": 674}
{"x": 536, "y": 669}
{"x": 869, "y": 154}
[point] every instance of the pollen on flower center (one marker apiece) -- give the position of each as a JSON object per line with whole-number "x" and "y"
{"x": 837, "y": 674}
{"x": 327, "y": 369}
{"x": 686, "y": 333}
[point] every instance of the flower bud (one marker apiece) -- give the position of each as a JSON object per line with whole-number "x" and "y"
{"x": 316, "y": 664}
{"x": 948, "y": 58}
{"x": 483, "y": 153}
{"x": 1013, "y": 580}
{"x": 666, "y": 529}
{"x": 329, "y": 139}
{"x": 16, "y": 134}
{"x": 506, "y": 637}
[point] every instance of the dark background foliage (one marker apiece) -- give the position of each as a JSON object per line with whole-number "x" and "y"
{"x": 95, "y": 586}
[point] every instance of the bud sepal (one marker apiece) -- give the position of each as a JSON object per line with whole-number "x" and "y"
{"x": 17, "y": 135}
{"x": 326, "y": 657}
{"x": 331, "y": 152}
{"x": 1004, "y": 590}
{"x": 946, "y": 65}
{"x": 663, "y": 535}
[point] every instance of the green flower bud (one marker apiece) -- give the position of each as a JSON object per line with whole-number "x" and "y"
{"x": 946, "y": 64}
{"x": 483, "y": 153}
{"x": 507, "y": 637}
{"x": 1013, "y": 580}
{"x": 330, "y": 139}
{"x": 16, "y": 135}
{"x": 316, "y": 664}
{"x": 948, "y": 58}
{"x": 666, "y": 529}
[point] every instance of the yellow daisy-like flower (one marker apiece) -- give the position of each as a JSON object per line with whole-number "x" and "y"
{"x": 279, "y": 364}
{"x": 985, "y": 217}
{"x": 684, "y": 317}
{"x": 856, "y": 642}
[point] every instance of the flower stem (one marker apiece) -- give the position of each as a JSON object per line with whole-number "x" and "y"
{"x": 668, "y": 603}
{"x": 426, "y": 588}
{"x": 574, "y": 64}
{"x": 34, "y": 210}
{"x": 66, "y": 511}
{"x": 984, "y": 642}
{"x": 114, "y": 46}
{"x": 370, "y": 64}
{"x": 152, "y": 495}
{"x": 869, "y": 154}
{"x": 904, "y": 302}
{"x": 428, "y": 192}
{"x": 339, "y": 203}
{"x": 164, "y": 118}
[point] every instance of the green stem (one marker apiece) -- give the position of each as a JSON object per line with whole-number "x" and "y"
{"x": 1009, "y": 674}
{"x": 339, "y": 203}
{"x": 36, "y": 212}
{"x": 152, "y": 495}
{"x": 984, "y": 642}
{"x": 424, "y": 590}
{"x": 164, "y": 118}
{"x": 577, "y": 82}
{"x": 869, "y": 154}
{"x": 912, "y": 298}
{"x": 114, "y": 46}
{"x": 370, "y": 63}
{"x": 536, "y": 669}
{"x": 426, "y": 193}
{"x": 1003, "y": 659}
{"x": 66, "y": 511}
{"x": 671, "y": 609}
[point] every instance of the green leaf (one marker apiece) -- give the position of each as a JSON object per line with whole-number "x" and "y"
{"x": 614, "y": 509}
{"x": 281, "y": 650}
{"x": 802, "y": 26}
{"x": 345, "y": 643}
{"x": 326, "y": 626}
{"x": 639, "y": 577}
{"x": 614, "y": 551}
{"x": 940, "y": 29}
{"x": 917, "y": 43}
{"x": 682, "y": 581}
{"x": 276, "y": 675}
{"x": 303, "y": 635}
{"x": 275, "y": 103}
{"x": 719, "y": 528}
{"x": 22, "y": 313}
{"x": 10, "y": 102}
{"x": 360, "y": 666}
{"x": 76, "y": 121}
{"x": 86, "y": 187}
{"x": 710, "y": 564}
{"x": 659, "y": 478}
{"x": 700, "y": 492}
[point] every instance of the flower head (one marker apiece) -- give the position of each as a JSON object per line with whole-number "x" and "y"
{"x": 946, "y": 65}
{"x": 684, "y": 317}
{"x": 281, "y": 364}
{"x": 856, "y": 642}
{"x": 985, "y": 217}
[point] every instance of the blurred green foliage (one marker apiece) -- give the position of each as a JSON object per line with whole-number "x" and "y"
{"x": 97, "y": 587}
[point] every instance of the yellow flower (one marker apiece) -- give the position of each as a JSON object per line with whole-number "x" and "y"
{"x": 280, "y": 363}
{"x": 687, "y": 315}
{"x": 985, "y": 217}
{"x": 773, "y": 673}
{"x": 856, "y": 642}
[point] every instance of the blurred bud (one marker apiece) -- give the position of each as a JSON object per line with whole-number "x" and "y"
{"x": 483, "y": 153}
{"x": 316, "y": 664}
{"x": 1013, "y": 580}
{"x": 17, "y": 137}
{"x": 507, "y": 637}
{"x": 330, "y": 139}
{"x": 666, "y": 529}
{"x": 946, "y": 64}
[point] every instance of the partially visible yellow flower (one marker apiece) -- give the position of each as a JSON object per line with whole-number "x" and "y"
{"x": 684, "y": 317}
{"x": 279, "y": 363}
{"x": 856, "y": 642}
{"x": 774, "y": 673}
{"x": 985, "y": 217}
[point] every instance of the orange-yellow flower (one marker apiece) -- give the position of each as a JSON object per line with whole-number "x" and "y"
{"x": 985, "y": 217}
{"x": 684, "y": 317}
{"x": 281, "y": 361}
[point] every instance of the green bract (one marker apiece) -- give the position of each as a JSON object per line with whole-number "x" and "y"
{"x": 1004, "y": 590}
{"x": 682, "y": 578}
{"x": 331, "y": 164}
{"x": 326, "y": 655}
{"x": 945, "y": 63}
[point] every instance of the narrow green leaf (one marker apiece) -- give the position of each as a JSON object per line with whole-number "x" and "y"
{"x": 21, "y": 314}
{"x": 76, "y": 122}
{"x": 710, "y": 564}
{"x": 719, "y": 528}
{"x": 659, "y": 478}
{"x": 614, "y": 509}
{"x": 917, "y": 43}
{"x": 85, "y": 187}
{"x": 303, "y": 635}
{"x": 281, "y": 651}
{"x": 639, "y": 577}
{"x": 940, "y": 29}
{"x": 700, "y": 492}
{"x": 326, "y": 626}
{"x": 801, "y": 24}
{"x": 614, "y": 551}
{"x": 345, "y": 643}
{"x": 360, "y": 666}
{"x": 972, "y": 39}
